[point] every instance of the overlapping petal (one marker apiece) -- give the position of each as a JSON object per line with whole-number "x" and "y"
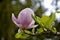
{"x": 24, "y": 19}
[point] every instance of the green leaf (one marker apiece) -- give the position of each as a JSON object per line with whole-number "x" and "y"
{"x": 44, "y": 20}
{"x": 18, "y": 35}
{"x": 33, "y": 30}
{"x": 25, "y": 35}
{"x": 28, "y": 32}
{"x": 45, "y": 29}
{"x": 40, "y": 30}
{"x": 51, "y": 20}
{"x": 54, "y": 30}
{"x": 41, "y": 21}
{"x": 21, "y": 35}
{"x": 38, "y": 20}
{"x": 33, "y": 17}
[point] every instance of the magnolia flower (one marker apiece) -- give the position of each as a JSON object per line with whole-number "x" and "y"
{"x": 24, "y": 20}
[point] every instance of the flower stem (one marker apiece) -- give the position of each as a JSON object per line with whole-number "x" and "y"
{"x": 33, "y": 30}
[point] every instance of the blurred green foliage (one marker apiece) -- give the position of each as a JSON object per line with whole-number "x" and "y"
{"x": 45, "y": 23}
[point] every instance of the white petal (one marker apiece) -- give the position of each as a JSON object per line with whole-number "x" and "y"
{"x": 19, "y": 30}
{"x": 32, "y": 23}
{"x": 33, "y": 26}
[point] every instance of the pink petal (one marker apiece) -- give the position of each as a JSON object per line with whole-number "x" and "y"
{"x": 14, "y": 19}
{"x": 32, "y": 23}
{"x": 30, "y": 11}
{"x": 24, "y": 17}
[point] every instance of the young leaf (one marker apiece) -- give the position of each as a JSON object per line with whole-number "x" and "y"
{"x": 40, "y": 30}
{"x": 44, "y": 20}
{"x": 21, "y": 35}
{"x": 51, "y": 20}
{"x": 37, "y": 20}
{"x": 54, "y": 30}
{"x": 18, "y": 35}
{"x": 28, "y": 32}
